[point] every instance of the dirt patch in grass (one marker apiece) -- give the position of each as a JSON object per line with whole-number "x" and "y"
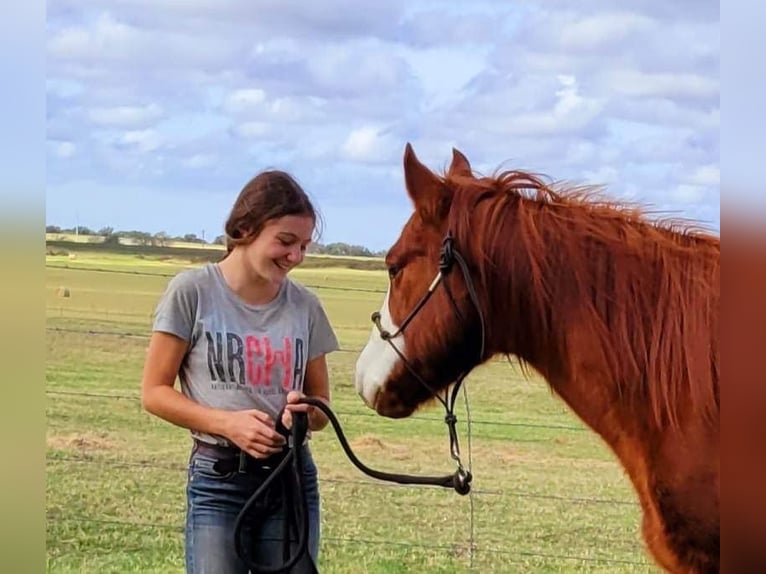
{"x": 83, "y": 442}
{"x": 502, "y": 453}
{"x": 371, "y": 444}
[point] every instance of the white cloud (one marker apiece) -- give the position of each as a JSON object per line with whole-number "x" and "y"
{"x": 64, "y": 89}
{"x": 244, "y": 100}
{"x": 106, "y": 37}
{"x": 253, "y": 129}
{"x": 257, "y": 110}
{"x": 570, "y": 112}
{"x": 601, "y": 30}
{"x": 667, "y": 113}
{"x": 366, "y": 144}
{"x": 125, "y": 116}
{"x": 706, "y": 175}
{"x": 108, "y": 47}
{"x": 199, "y": 161}
{"x": 686, "y": 193}
{"x": 358, "y": 68}
{"x": 602, "y": 175}
{"x": 442, "y": 83}
{"x": 640, "y": 84}
{"x": 291, "y": 109}
{"x": 580, "y": 152}
{"x": 141, "y": 140}
{"x": 64, "y": 149}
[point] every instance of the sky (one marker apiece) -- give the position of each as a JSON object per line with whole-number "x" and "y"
{"x": 158, "y": 112}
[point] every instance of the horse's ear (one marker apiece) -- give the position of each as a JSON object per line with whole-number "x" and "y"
{"x": 460, "y": 165}
{"x": 427, "y": 191}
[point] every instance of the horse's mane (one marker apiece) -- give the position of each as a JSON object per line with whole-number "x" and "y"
{"x": 646, "y": 292}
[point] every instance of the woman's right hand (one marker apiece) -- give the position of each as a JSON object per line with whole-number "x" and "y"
{"x": 253, "y": 432}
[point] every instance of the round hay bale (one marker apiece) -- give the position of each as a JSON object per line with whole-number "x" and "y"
{"x": 63, "y": 292}
{"x": 73, "y": 256}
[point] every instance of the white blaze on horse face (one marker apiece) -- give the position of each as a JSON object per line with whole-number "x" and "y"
{"x": 378, "y": 359}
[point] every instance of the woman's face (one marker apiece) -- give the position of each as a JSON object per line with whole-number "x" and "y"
{"x": 280, "y": 246}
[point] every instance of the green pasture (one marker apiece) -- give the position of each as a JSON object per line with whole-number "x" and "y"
{"x": 548, "y": 496}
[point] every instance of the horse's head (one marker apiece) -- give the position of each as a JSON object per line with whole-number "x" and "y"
{"x": 438, "y": 340}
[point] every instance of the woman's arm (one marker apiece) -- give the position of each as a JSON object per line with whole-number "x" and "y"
{"x": 158, "y": 395}
{"x": 251, "y": 430}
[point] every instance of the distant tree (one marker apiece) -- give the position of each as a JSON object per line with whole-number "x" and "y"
{"x": 82, "y": 230}
{"x": 161, "y": 239}
{"x": 106, "y": 231}
{"x": 112, "y": 239}
{"x": 346, "y": 249}
{"x": 220, "y": 240}
{"x": 52, "y": 229}
{"x": 139, "y": 237}
{"x": 192, "y": 238}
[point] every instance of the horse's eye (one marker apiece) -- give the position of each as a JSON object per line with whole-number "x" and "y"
{"x": 393, "y": 270}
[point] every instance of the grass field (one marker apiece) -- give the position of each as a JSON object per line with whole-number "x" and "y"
{"x": 548, "y": 496}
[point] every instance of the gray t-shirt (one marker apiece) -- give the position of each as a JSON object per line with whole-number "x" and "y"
{"x": 242, "y": 356}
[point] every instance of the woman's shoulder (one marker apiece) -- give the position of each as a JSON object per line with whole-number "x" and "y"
{"x": 298, "y": 292}
{"x": 191, "y": 279}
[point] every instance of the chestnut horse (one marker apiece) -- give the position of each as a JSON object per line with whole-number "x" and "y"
{"x": 617, "y": 313}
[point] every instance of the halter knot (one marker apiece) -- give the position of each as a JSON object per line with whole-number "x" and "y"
{"x": 447, "y": 254}
{"x": 384, "y": 333}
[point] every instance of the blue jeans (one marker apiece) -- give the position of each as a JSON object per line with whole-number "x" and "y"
{"x": 213, "y": 503}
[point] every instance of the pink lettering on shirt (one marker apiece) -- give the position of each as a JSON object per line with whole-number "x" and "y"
{"x": 285, "y": 358}
{"x": 252, "y": 350}
{"x": 260, "y": 358}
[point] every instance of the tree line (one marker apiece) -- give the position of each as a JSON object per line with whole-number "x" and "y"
{"x": 108, "y": 236}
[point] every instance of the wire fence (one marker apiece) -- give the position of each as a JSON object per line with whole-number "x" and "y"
{"x": 134, "y": 397}
{"x": 470, "y": 548}
{"x": 146, "y": 335}
{"x": 484, "y": 492}
{"x": 453, "y": 548}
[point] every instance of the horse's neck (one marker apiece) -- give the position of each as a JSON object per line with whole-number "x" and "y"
{"x": 531, "y": 323}
{"x": 526, "y": 323}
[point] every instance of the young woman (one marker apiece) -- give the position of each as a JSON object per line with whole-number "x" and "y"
{"x": 244, "y": 341}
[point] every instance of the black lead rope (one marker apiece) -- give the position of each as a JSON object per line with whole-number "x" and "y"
{"x": 288, "y": 476}
{"x": 287, "y": 480}
{"x": 460, "y": 480}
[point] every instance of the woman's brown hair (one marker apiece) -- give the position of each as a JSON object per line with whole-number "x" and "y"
{"x": 269, "y": 195}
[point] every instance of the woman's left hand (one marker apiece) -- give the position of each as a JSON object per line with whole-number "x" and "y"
{"x": 293, "y": 407}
